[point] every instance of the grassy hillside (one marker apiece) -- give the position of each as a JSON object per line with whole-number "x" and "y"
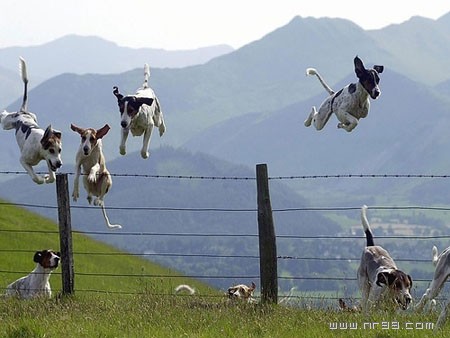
{"x": 98, "y": 267}
{"x": 145, "y": 307}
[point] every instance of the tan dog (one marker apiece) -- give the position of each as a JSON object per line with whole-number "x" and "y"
{"x": 97, "y": 179}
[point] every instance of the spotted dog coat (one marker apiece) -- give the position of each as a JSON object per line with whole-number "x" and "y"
{"x": 139, "y": 114}
{"x": 37, "y": 283}
{"x": 241, "y": 292}
{"x": 349, "y": 104}
{"x": 379, "y": 279}
{"x": 35, "y": 144}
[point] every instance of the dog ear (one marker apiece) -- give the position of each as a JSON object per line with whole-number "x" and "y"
{"x": 102, "y": 131}
{"x": 410, "y": 281}
{"x": 378, "y": 68}
{"x": 385, "y": 278}
{"x": 76, "y": 129}
{"x": 117, "y": 94}
{"x": 37, "y": 257}
{"x": 253, "y": 286}
{"x": 360, "y": 69}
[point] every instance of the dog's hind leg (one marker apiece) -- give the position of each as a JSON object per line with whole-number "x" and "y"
{"x": 318, "y": 118}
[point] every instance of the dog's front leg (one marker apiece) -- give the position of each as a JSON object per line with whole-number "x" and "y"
{"x": 146, "y": 142}
{"x": 51, "y": 177}
{"x": 36, "y": 178}
{"x": 123, "y": 140}
{"x": 350, "y": 122}
{"x": 76, "y": 183}
{"x": 93, "y": 173}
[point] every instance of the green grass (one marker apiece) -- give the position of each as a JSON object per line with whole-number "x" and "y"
{"x": 133, "y": 304}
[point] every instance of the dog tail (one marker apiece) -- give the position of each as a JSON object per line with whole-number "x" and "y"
{"x": 184, "y": 287}
{"x": 146, "y": 75}
{"x": 434, "y": 255}
{"x": 313, "y": 71}
{"x": 366, "y": 226}
{"x": 108, "y": 224}
{"x": 23, "y": 73}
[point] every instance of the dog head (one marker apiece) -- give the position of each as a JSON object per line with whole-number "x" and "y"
{"x": 241, "y": 292}
{"x": 399, "y": 284}
{"x": 52, "y": 146}
{"x": 368, "y": 78}
{"x": 89, "y": 137}
{"x": 129, "y": 106}
{"x": 48, "y": 259}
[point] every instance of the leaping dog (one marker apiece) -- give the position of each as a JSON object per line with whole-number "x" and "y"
{"x": 441, "y": 274}
{"x": 139, "y": 114}
{"x": 349, "y": 104}
{"x": 35, "y": 144}
{"x": 96, "y": 178}
{"x": 37, "y": 283}
{"x": 379, "y": 278}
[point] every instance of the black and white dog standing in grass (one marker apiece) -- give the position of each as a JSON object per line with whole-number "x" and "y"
{"x": 379, "y": 278}
{"x": 35, "y": 144}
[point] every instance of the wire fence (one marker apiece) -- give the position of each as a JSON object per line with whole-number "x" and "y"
{"x": 343, "y": 278}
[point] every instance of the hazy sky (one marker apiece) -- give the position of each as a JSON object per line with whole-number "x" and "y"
{"x": 186, "y": 24}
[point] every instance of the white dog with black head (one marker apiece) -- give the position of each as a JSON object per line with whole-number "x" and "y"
{"x": 139, "y": 113}
{"x": 35, "y": 144}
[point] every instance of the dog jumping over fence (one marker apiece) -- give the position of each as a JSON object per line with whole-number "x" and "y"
{"x": 441, "y": 274}
{"x": 96, "y": 178}
{"x": 139, "y": 114}
{"x": 35, "y": 144}
{"x": 379, "y": 278}
{"x": 37, "y": 283}
{"x": 349, "y": 104}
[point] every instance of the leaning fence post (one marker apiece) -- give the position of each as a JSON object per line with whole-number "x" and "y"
{"x": 267, "y": 239}
{"x": 65, "y": 233}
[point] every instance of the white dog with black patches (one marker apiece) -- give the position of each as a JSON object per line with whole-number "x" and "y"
{"x": 96, "y": 178}
{"x": 379, "y": 278}
{"x": 35, "y": 144}
{"x": 349, "y": 104}
{"x": 139, "y": 113}
{"x": 441, "y": 274}
{"x": 37, "y": 283}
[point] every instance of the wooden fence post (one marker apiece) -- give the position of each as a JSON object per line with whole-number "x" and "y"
{"x": 267, "y": 239}
{"x": 65, "y": 233}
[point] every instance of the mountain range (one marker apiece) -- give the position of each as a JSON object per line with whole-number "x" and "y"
{"x": 248, "y": 106}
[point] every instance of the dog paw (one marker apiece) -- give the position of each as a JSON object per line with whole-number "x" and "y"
{"x": 98, "y": 202}
{"x": 122, "y": 151}
{"x": 92, "y": 178}
{"x": 39, "y": 179}
{"x": 145, "y": 154}
{"x": 75, "y": 196}
{"x": 89, "y": 198}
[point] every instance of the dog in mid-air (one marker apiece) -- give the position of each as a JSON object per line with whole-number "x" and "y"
{"x": 379, "y": 278}
{"x": 35, "y": 144}
{"x": 139, "y": 114}
{"x": 349, "y": 104}
{"x": 96, "y": 178}
{"x": 37, "y": 283}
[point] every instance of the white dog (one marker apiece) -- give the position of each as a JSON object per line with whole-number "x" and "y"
{"x": 441, "y": 274}
{"x": 37, "y": 283}
{"x": 35, "y": 144}
{"x": 378, "y": 276}
{"x": 139, "y": 114}
{"x": 351, "y": 103}
{"x": 96, "y": 178}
